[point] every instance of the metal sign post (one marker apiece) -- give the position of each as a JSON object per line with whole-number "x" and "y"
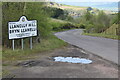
{"x": 22, "y": 29}
{"x": 22, "y": 43}
{"x": 13, "y": 44}
{"x": 30, "y": 42}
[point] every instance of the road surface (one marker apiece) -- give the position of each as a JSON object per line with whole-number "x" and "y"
{"x": 103, "y": 47}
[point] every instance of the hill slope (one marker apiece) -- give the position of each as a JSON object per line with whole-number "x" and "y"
{"x": 76, "y": 11}
{"x": 113, "y": 30}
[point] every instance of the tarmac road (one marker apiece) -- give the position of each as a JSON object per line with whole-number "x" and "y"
{"x": 103, "y": 47}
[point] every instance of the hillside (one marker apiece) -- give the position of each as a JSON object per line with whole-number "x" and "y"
{"x": 76, "y": 11}
{"x": 113, "y": 30}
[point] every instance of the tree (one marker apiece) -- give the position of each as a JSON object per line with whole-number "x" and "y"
{"x": 88, "y": 16}
{"x": 104, "y": 20}
{"x": 11, "y": 12}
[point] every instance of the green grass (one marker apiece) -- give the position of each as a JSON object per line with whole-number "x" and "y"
{"x": 53, "y": 20}
{"x": 46, "y": 45}
{"x": 102, "y": 35}
{"x": 57, "y": 23}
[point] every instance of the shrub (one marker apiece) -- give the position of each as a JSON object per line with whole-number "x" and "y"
{"x": 68, "y": 26}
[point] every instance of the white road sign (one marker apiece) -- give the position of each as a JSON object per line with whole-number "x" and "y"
{"x": 23, "y": 28}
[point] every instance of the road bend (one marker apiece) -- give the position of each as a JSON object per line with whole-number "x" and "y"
{"x": 103, "y": 47}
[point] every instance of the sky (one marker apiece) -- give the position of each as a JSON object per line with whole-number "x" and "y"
{"x": 85, "y": 0}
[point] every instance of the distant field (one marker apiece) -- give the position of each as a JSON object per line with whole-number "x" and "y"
{"x": 75, "y": 6}
{"x": 72, "y": 7}
{"x": 62, "y": 6}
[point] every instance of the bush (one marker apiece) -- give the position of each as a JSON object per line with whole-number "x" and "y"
{"x": 56, "y": 28}
{"x": 82, "y": 26}
{"x": 56, "y": 12}
{"x": 68, "y": 26}
{"x": 90, "y": 28}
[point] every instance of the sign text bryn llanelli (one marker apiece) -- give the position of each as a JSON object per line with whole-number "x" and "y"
{"x": 23, "y": 28}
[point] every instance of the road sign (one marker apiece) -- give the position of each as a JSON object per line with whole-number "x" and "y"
{"x": 23, "y": 28}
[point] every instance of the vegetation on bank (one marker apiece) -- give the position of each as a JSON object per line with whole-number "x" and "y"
{"x": 113, "y": 30}
{"x": 97, "y": 23}
{"x": 61, "y": 25}
{"x": 108, "y": 27}
{"x": 100, "y": 24}
{"x": 112, "y": 33}
{"x": 48, "y": 44}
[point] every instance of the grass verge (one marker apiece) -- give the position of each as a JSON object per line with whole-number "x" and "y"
{"x": 46, "y": 45}
{"x": 103, "y": 35}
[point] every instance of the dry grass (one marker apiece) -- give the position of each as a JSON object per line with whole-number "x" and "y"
{"x": 73, "y": 7}
{"x": 112, "y": 30}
